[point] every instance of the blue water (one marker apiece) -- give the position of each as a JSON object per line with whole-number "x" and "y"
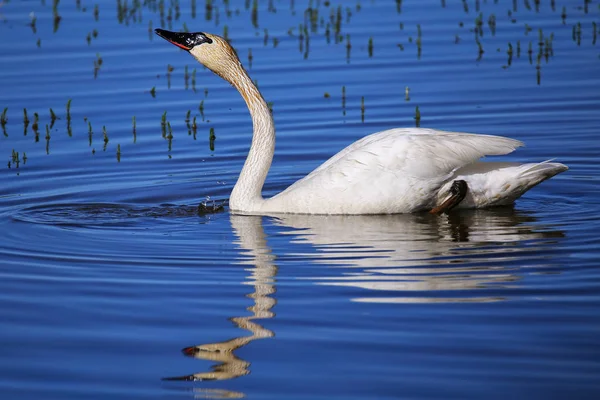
{"x": 113, "y": 286}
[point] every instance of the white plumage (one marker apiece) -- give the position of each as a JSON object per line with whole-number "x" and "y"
{"x": 410, "y": 169}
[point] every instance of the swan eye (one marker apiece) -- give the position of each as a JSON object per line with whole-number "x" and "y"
{"x": 200, "y": 38}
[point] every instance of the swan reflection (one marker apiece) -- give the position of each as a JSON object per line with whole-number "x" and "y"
{"x": 424, "y": 258}
{"x": 262, "y": 274}
{"x": 393, "y": 258}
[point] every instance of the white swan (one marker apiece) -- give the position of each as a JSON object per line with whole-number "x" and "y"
{"x": 395, "y": 171}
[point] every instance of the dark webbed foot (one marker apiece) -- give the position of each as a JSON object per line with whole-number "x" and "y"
{"x": 205, "y": 208}
{"x": 458, "y": 191}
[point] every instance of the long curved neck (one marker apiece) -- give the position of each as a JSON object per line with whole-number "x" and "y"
{"x": 246, "y": 194}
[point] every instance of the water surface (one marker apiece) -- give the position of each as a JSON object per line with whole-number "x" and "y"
{"x": 113, "y": 286}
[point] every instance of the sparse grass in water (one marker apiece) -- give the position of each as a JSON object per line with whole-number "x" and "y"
{"x": 35, "y": 124}
{"x": 480, "y": 50}
{"x": 134, "y": 130}
{"x": 254, "y": 14}
{"x": 4, "y": 120}
{"x": 90, "y": 133}
{"x": 344, "y": 100}
{"x": 170, "y": 137}
{"x": 417, "y": 117}
{"x": 163, "y": 124}
{"x": 105, "y": 137}
{"x": 47, "y": 139}
{"x": 211, "y": 139}
{"x": 194, "y": 127}
{"x": 68, "y": 118}
{"x": 53, "y": 118}
{"x": 32, "y": 22}
{"x": 25, "y": 122}
{"x": 56, "y": 17}
{"x": 362, "y": 108}
{"x": 97, "y": 64}
{"x": 348, "y": 49}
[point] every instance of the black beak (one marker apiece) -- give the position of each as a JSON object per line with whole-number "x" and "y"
{"x": 184, "y": 40}
{"x": 180, "y": 39}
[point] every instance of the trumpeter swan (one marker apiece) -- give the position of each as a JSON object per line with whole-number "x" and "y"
{"x": 399, "y": 170}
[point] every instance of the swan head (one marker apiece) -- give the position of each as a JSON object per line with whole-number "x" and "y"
{"x": 210, "y": 50}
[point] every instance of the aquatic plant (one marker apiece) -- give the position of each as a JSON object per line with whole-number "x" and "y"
{"x": 211, "y": 139}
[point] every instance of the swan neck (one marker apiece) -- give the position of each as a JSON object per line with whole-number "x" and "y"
{"x": 247, "y": 192}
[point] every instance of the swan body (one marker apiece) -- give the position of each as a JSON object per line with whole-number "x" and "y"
{"x": 400, "y": 170}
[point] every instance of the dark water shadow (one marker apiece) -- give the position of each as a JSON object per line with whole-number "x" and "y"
{"x": 109, "y": 215}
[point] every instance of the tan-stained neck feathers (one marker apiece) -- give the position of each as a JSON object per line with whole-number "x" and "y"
{"x": 222, "y": 59}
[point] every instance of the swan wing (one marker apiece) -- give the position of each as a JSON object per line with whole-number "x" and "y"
{"x": 419, "y": 151}
{"x": 398, "y": 170}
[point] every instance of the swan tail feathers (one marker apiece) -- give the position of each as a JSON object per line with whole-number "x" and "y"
{"x": 503, "y": 184}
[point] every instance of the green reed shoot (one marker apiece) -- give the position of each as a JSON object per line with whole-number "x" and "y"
{"x": 344, "y": 100}
{"x": 53, "y": 118}
{"x": 348, "y": 49}
{"x": 105, "y": 136}
{"x": 163, "y": 124}
{"x": 170, "y": 136}
{"x": 4, "y": 120}
{"x": 90, "y": 133}
{"x": 211, "y": 139}
{"x": 47, "y": 139}
{"x": 254, "y": 14}
{"x": 362, "y": 108}
{"x": 25, "y": 121}
{"x": 35, "y": 124}
{"x": 417, "y": 117}
{"x": 134, "y": 129}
